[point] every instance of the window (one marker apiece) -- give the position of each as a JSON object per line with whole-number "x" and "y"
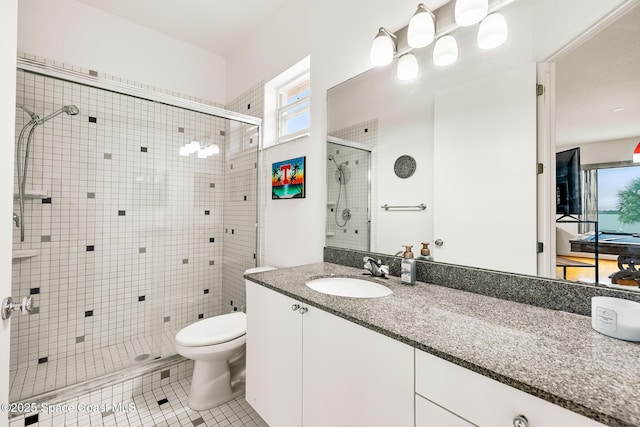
{"x": 619, "y": 199}
{"x": 294, "y": 109}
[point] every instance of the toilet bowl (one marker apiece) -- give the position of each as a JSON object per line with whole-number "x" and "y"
{"x": 214, "y": 344}
{"x": 217, "y": 347}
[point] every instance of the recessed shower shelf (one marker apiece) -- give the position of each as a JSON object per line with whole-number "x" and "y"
{"x": 331, "y": 205}
{"x": 330, "y": 233}
{"x": 24, "y": 253}
{"x": 33, "y": 194}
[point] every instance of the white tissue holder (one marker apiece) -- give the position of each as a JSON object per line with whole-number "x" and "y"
{"x": 616, "y": 317}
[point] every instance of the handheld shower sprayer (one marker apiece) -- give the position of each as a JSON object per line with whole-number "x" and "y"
{"x": 71, "y": 110}
{"x": 23, "y": 163}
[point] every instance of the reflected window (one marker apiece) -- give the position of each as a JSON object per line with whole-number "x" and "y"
{"x": 618, "y": 199}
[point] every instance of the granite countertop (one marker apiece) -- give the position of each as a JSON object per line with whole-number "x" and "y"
{"x": 553, "y": 355}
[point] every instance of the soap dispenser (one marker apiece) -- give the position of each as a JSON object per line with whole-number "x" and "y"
{"x": 408, "y": 267}
{"x": 425, "y": 252}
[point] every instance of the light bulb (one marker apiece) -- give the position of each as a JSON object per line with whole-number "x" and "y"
{"x": 492, "y": 32}
{"x": 382, "y": 49}
{"x": 184, "y": 150}
{"x": 407, "y": 68}
{"x": 445, "y": 51}
{"x": 202, "y": 154}
{"x": 469, "y": 12}
{"x": 422, "y": 28}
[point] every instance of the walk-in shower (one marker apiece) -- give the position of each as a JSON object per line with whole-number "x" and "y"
{"x": 348, "y": 195}
{"x": 22, "y": 158}
{"x": 126, "y": 242}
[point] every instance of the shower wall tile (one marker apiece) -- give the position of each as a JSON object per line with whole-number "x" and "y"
{"x": 354, "y": 233}
{"x": 94, "y": 171}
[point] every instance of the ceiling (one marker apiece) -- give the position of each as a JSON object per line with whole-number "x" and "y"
{"x": 597, "y": 77}
{"x": 217, "y": 26}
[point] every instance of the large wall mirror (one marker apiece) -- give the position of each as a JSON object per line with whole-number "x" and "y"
{"x": 471, "y": 130}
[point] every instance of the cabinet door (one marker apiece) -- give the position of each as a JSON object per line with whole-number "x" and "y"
{"x": 353, "y": 376}
{"x": 274, "y": 356}
{"x": 428, "y": 414}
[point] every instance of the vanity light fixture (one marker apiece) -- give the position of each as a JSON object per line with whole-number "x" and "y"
{"x": 492, "y": 32}
{"x": 636, "y": 154}
{"x": 383, "y": 48}
{"x": 469, "y": 12}
{"x": 445, "y": 51}
{"x": 422, "y": 28}
{"x": 421, "y": 32}
{"x": 407, "y": 68}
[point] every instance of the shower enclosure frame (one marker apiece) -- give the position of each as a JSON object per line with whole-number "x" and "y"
{"x": 91, "y": 79}
{"x": 65, "y": 74}
{"x": 358, "y": 146}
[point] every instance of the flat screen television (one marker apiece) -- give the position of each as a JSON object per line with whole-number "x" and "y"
{"x": 568, "y": 183}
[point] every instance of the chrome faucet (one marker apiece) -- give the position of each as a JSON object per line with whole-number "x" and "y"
{"x": 376, "y": 268}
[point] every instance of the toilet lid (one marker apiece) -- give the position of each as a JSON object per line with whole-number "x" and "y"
{"x": 214, "y": 330}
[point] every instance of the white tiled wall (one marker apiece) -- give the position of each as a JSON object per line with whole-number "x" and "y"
{"x": 132, "y": 238}
{"x": 355, "y": 233}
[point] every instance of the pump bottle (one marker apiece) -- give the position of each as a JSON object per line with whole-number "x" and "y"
{"x": 408, "y": 267}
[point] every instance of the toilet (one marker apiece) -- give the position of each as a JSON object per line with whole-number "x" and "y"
{"x": 217, "y": 347}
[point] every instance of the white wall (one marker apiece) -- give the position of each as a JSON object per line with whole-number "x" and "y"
{"x": 618, "y": 150}
{"x": 74, "y": 33}
{"x": 8, "y": 30}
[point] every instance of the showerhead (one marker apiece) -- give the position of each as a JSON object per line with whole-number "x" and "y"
{"x": 71, "y": 110}
{"x": 333, "y": 159}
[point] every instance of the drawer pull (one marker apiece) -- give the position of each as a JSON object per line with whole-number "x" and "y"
{"x": 520, "y": 421}
{"x": 295, "y": 307}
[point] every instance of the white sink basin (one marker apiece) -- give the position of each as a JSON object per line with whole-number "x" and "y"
{"x": 349, "y": 287}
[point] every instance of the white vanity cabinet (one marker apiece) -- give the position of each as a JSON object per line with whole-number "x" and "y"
{"x": 316, "y": 369}
{"x": 467, "y": 398}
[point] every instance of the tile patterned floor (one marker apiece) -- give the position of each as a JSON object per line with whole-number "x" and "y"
{"x": 161, "y": 406}
{"x": 32, "y": 378}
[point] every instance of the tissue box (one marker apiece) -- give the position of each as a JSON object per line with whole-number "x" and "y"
{"x": 616, "y": 317}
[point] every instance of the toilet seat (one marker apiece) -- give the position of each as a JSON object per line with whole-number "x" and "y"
{"x": 214, "y": 330}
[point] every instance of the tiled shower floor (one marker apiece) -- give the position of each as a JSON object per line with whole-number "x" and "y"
{"x": 33, "y": 378}
{"x": 165, "y": 405}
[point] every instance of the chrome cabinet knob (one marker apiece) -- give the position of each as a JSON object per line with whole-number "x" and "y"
{"x": 439, "y": 243}
{"x": 303, "y": 310}
{"x": 295, "y": 307}
{"x": 520, "y": 421}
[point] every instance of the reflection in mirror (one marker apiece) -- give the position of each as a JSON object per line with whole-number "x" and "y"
{"x": 348, "y": 191}
{"x": 597, "y": 110}
{"x": 472, "y": 129}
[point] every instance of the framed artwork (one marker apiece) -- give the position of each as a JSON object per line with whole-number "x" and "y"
{"x": 287, "y": 179}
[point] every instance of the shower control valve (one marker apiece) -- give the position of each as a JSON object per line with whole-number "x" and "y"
{"x": 8, "y": 306}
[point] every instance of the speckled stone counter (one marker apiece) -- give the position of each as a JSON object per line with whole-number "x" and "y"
{"x": 550, "y": 354}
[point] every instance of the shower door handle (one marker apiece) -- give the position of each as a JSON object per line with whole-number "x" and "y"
{"x": 25, "y": 306}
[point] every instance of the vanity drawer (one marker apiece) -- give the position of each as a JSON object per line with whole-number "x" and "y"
{"x": 428, "y": 414}
{"x": 483, "y": 401}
